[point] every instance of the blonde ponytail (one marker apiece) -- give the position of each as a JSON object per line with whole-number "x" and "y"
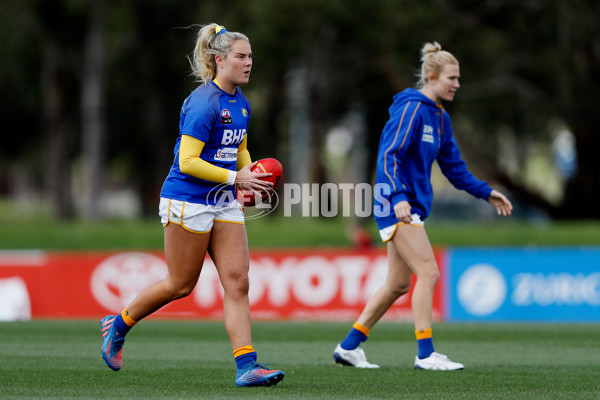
{"x": 212, "y": 40}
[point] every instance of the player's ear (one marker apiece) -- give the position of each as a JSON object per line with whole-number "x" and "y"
{"x": 432, "y": 77}
{"x": 219, "y": 61}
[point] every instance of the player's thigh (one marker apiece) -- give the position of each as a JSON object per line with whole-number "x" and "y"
{"x": 399, "y": 273}
{"x": 413, "y": 247}
{"x": 185, "y": 252}
{"x": 229, "y": 251}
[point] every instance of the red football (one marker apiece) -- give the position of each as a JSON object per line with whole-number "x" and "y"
{"x": 247, "y": 197}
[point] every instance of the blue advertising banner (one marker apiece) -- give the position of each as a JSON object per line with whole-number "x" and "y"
{"x": 523, "y": 284}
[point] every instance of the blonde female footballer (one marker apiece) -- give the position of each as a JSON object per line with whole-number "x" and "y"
{"x": 211, "y": 156}
{"x": 417, "y": 133}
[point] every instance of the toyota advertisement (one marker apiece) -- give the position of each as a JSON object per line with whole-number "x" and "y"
{"x": 477, "y": 284}
{"x": 293, "y": 284}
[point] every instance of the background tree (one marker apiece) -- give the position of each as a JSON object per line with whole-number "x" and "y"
{"x": 526, "y": 67}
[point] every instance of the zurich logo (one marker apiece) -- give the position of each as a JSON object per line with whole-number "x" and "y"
{"x": 481, "y": 289}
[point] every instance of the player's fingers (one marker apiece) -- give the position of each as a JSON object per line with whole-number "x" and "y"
{"x": 260, "y": 182}
{"x": 400, "y": 213}
{"x": 261, "y": 175}
{"x": 260, "y": 185}
{"x": 403, "y": 216}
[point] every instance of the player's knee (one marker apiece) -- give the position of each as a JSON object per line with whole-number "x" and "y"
{"x": 242, "y": 285}
{"x": 180, "y": 290}
{"x": 237, "y": 285}
{"x": 403, "y": 289}
{"x": 186, "y": 290}
{"x": 398, "y": 289}
{"x": 430, "y": 276}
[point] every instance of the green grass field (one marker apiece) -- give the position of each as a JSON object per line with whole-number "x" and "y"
{"x": 286, "y": 232}
{"x": 192, "y": 359}
{"x": 32, "y": 228}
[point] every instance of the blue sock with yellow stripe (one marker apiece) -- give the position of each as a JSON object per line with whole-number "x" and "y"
{"x": 425, "y": 342}
{"x": 123, "y": 323}
{"x": 244, "y": 356}
{"x": 355, "y": 337}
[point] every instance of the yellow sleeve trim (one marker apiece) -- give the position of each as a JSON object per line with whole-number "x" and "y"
{"x": 190, "y": 162}
{"x": 243, "y": 155}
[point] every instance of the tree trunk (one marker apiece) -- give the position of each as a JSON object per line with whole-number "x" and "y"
{"x": 58, "y": 180}
{"x": 92, "y": 103}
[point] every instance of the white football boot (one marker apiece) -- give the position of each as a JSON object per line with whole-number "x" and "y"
{"x": 437, "y": 362}
{"x": 353, "y": 358}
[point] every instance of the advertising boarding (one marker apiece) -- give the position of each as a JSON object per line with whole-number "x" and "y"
{"x": 521, "y": 284}
{"x": 304, "y": 284}
{"x": 476, "y": 284}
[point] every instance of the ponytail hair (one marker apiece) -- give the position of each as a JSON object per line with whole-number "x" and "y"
{"x": 212, "y": 40}
{"x": 433, "y": 60}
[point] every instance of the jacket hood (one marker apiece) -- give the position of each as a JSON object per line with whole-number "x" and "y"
{"x": 411, "y": 94}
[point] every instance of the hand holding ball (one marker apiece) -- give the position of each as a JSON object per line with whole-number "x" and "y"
{"x": 248, "y": 198}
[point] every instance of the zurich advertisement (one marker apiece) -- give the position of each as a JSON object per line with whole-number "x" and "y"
{"x": 521, "y": 284}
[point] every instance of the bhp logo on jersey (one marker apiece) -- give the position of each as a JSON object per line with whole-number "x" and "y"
{"x": 233, "y": 136}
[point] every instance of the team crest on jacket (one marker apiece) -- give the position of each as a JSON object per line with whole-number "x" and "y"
{"x": 245, "y": 113}
{"x": 225, "y": 116}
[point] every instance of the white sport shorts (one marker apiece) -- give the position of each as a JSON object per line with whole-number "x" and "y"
{"x": 198, "y": 218}
{"x": 387, "y": 233}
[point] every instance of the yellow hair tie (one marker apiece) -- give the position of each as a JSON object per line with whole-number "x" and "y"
{"x": 220, "y": 30}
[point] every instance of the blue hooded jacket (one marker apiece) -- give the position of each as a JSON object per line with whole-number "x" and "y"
{"x": 417, "y": 133}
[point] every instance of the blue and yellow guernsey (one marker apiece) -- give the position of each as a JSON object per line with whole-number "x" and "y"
{"x": 417, "y": 133}
{"x": 220, "y": 121}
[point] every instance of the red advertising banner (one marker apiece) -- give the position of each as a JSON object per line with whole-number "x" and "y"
{"x": 310, "y": 284}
